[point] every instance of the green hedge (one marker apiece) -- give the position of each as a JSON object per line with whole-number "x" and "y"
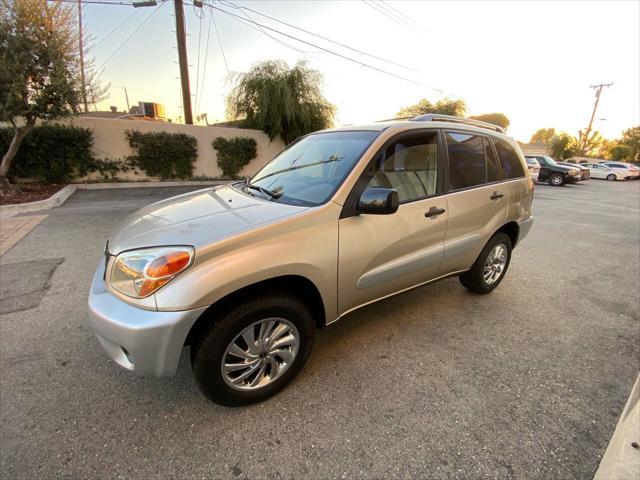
{"x": 162, "y": 154}
{"x": 234, "y": 153}
{"x": 52, "y": 153}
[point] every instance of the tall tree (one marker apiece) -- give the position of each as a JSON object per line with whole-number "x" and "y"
{"x": 631, "y": 137}
{"x": 280, "y": 101}
{"x": 446, "y": 106}
{"x": 563, "y": 146}
{"x": 543, "y": 135}
{"x": 499, "y": 119}
{"x": 39, "y": 69}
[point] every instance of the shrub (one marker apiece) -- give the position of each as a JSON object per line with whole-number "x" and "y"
{"x": 162, "y": 154}
{"x": 52, "y": 153}
{"x": 234, "y": 153}
{"x": 621, "y": 153}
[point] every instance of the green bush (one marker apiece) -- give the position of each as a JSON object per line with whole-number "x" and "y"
{"x": 234, "y": 153}
{"x": 162, "y": 154}
{"x": 52, "y": 153}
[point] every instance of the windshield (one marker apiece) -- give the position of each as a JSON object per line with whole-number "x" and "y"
{"x": 311, "y": 170}
{"x": 549, "y": 160}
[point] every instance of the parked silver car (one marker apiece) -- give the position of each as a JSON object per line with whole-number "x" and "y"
{"x": 244, "y": 273}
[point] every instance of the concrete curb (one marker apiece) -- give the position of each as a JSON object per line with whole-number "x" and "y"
{"x": 61, "y": 196}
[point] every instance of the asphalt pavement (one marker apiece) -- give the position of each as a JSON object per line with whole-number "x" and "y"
{"x": 527, "y": 382}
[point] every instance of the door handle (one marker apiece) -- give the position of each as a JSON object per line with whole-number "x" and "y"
{"x": 434, "y": 212}
{"x": 497, "y": 196}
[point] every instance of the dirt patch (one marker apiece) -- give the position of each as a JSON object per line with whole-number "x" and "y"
{"x": 31, "y": 192}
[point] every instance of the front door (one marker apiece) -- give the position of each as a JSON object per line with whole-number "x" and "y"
{"x": 383, "y": 254}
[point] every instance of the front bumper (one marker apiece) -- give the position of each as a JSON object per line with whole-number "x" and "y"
{"x": 572, "y": 178}
{"x": 143, "y": 341}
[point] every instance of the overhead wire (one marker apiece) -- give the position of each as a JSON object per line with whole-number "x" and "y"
{"x": 345, "y": 57}
{"x": 137, "y": 10}
{"x": 398, "y": 12}
{"x": 130, "y": 36}
{"x": 198, "y": 61}
{"x": 215, "y": 26}
{"x": 204, "y": 66}
{"x": 327, "y": 39}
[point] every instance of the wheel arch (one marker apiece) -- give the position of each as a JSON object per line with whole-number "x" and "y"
{"x": 512, "y": 229}
{"x": 299, "y": 286}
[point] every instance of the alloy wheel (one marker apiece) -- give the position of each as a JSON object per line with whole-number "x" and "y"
{"x": 495, "y": 264}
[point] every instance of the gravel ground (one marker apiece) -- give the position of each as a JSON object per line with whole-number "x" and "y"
{"x": 527, "y": 382}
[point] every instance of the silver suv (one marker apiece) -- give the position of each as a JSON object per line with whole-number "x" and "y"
{"x": 244, "y": 273}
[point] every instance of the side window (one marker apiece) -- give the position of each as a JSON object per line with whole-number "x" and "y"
{"x": 410, "y": 166}
{"x": 493, "y": 169}
{"x": 511, "y": 165}
{"x": 467, "y": 163}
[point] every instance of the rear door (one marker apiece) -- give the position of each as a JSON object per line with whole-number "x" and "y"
{"x": 383, "y": 254}
{"x": 477, "y": 198}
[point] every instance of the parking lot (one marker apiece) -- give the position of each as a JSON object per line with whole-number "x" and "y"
{"x": 527, "y": 382}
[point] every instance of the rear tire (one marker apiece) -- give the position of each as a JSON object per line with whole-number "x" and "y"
{"x": 611, "y": 177}
{"x": 556, "y": 180}
{"x": 215, "y": 365}
{"x": 482, "y": 278}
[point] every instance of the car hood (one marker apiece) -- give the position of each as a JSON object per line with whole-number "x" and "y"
{"x": 197, "y": 218}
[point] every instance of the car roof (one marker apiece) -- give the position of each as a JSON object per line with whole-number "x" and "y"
{"x": 407, "y": 125}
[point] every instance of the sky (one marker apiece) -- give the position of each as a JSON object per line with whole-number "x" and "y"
{"x": 533, "y": 61}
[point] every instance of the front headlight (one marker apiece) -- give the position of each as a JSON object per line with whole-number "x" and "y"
{"x": 139, "y": 273}
{"x": 573, "y": 172}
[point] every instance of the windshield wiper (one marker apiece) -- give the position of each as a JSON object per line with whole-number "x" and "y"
{"x": 266, "y": 191}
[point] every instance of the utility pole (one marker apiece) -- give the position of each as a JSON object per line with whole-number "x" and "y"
{"x": 598, "y": 88}
{"x": 80, "y": 40}
{"x": 184, "y": 65}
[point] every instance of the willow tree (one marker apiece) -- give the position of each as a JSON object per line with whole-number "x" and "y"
{"x": 281, "y": 101}
{"x": 39, "y": 69}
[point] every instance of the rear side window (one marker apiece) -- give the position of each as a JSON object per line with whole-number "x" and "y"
{"x": 493, "y": 169}
{"x": 467, "y": 162}
{"x": 509, "y": 160}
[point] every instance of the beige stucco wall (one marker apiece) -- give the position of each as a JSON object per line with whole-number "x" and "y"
{"x": 109, "y": 142}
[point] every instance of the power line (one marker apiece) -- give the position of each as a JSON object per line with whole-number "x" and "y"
{"x": 380, "y": 9}
{"x": 204, "y": 66}
{"x": 345, "y": 57}
{"x": 198, "y": 61}
{"x": 136, "y": 11}
{"x": 218, "y": 35}
{"x": 262, "y": 31}
{"x": 321, "y": 36}
{"x": 130, "y": 35}
{"x": 398, "y": 12}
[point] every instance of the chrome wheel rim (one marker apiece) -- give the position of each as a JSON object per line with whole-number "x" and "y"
{"x": 495, "y": 264}
{"x": 260, "y": 354}
{"x": 556, "y": 180}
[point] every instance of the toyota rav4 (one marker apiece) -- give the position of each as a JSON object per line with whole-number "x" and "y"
{"x": 244, "y": 273}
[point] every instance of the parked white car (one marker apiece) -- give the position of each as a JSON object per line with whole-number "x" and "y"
{"x": 630, "y": 171}
{"x": 604, "y": 172}
{"x": 534, "y": 168}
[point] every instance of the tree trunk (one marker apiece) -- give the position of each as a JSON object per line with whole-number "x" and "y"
{"x": 6, "y": 187}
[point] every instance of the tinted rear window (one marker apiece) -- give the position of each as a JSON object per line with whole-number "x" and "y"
{"x": 511, "y": 165}
{"x": 467, "y": 163}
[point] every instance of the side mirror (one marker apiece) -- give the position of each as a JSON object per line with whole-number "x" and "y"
{"x": 378, "y": 201}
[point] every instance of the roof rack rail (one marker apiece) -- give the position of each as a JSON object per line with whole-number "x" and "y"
{"x": 393, "y": 119}
{"x": 435, "y": 117}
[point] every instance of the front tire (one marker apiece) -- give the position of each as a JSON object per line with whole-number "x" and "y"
{"x": 556, "y": 180}
{"x": 253, "y": 350}
{"x": 491, "y": 265}
{"x": 611, "y": 177}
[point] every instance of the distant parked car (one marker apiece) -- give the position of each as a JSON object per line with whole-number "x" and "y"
{"x": 631, "y": 171}
{"x": 602, "y": 171}
{"x": 553, "y": 173}
{"x": 585, "y": 173}
{"x": 534, "y": 168}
